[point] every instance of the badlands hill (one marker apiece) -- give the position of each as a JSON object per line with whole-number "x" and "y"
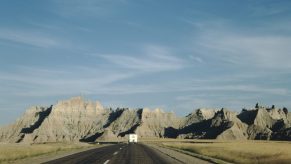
{"x": 77, "y": 120}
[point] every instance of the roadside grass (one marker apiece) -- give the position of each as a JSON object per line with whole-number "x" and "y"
{"x": 237, "y": 151}
{"x": 14, "y": 152}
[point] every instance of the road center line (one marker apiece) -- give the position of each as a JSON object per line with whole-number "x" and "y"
{"x": 106, "y": 161}
{"x": 115, "y": 153}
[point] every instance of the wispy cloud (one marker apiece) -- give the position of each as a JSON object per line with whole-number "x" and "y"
{"x": 256, "y": 51}
{"x": 263, "y": 45}
{"x": 196, "y": 59}
{"x": 92, "y": 8}
{"x": 29, "y": 38}
{"x": 47, "y": 82}
{"x": 263, "y": 10}
{"x": 152, "y": 59}
{"x": 192, "y": 102}
{"x": 253, "y": 62}
{"x": 31, "y": 81}
{"x": 43, "y": 82}
{"x": 200, "y": 87}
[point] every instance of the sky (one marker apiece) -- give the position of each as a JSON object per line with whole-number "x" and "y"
{"x": 170, "y": 54}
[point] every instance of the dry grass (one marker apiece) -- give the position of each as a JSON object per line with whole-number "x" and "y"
{"x": 237, "y": 151}
{"x": 14, "y": 152}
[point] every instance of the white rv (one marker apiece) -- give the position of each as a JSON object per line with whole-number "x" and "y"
{"x": 132, "y": 138}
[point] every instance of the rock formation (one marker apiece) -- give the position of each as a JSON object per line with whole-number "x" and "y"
{"x": 154, "y": 123}
{"x": 198, "y": 116}
{"x": 27, "y": 124}
{"x": 265, "y": 122}
{"x": 78, "y": 120}
{"x": 223, "y": 125}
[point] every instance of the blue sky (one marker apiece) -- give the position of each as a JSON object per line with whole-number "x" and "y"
{"x": 172, "y": 54}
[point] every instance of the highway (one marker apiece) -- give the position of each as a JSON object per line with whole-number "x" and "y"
{"x": 117, "y": 154}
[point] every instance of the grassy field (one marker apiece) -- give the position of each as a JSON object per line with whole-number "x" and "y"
{"x": 15, "y": 152}
{"x": 236, "y": 151}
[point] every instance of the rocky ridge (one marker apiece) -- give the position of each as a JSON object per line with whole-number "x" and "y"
{"x": 78, "y": 120}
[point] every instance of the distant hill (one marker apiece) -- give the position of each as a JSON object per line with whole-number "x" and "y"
{"x": 77, "y": 120}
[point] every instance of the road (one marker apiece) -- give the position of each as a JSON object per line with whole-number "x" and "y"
{"x": 118, "y": 154}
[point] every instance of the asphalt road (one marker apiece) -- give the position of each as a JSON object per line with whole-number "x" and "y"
{"x": 117, "y": 154}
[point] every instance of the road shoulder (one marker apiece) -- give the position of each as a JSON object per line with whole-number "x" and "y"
{"x": 183, "y": 156}
{"x": 53, "y": 156}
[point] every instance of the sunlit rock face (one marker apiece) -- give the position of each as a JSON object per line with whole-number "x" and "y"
{"x": 27, "y": 123}
{"x": 154, "y": 123}
{"x": 67, "y": 121}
